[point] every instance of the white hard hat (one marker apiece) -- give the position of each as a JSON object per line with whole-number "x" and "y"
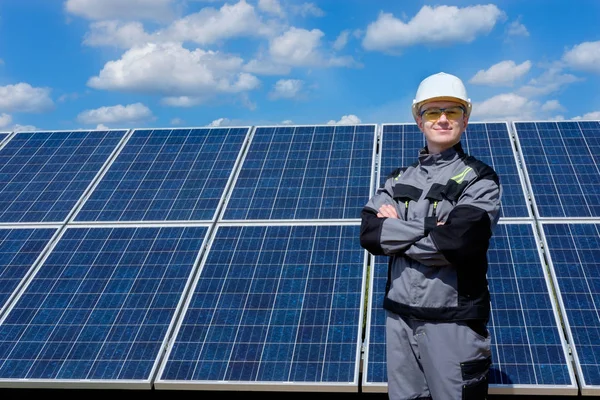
{"x": 441, "y": 87}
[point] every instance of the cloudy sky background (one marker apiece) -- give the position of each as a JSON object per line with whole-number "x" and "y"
{"x": 85, "y": 64}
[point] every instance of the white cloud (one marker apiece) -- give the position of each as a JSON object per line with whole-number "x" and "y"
{"x": 261, "y": 66}
{"x": 115, "y": 33}
{"x": 102, "y": 127}
{"x": 158, "y": 10}
{"x": 5, "y": 120}
{"x": 584, "y": 57}
{"x": 432, "y": 25}
{"x": 220, "y": 122}
{"x": 116, "y": 114}
{"x": 172, "y": 70}
{"x": 286, "y": 88}
{"x": 308, "y": 9}
{"x": 507, "y": 106}
{"x": 177, "y": 121}
{"x": 502, "y": 73}
{"x": 550, "y": 81}
{"x": 210, "y": 25}
{"x": 552, "y": 105}
{"x": 346, "y": 120}
{"x": 342, "y": 40}
{"x": 516, "y": 28}
{"x": 271, "y": 7}
{"x": 297, "y": 47}
{"x": 302, "y": 48}
{"x": 23, "y": 128}
{"x": 594, "y": 115}
{"x": 22, "y": 97}
{"x": 183, "y": 101}
{"x": 287, "y": 122}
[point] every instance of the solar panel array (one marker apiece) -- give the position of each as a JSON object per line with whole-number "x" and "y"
{"x": 228, "y": 258}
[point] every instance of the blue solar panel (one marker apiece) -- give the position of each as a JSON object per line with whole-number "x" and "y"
{"x": 562, "y": 161}
{"x": 575, "y": 258}
{"x": 44, "y": 174}
{"x": 305, "y": 172}
{"x": 99, "y": 308}
{"x": 19, "y": 249}
{"x": 274, "y": 306}
{"x": 3, "y": 135}
{"x": 489, "y": 142}
{"x": 167, "y": 174}
{"x": 528, "y": 350}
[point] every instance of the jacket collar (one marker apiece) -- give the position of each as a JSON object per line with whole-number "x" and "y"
{"x": 444, "y": 157}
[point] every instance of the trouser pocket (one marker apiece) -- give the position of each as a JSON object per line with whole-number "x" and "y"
{"x": 475, "y": 378}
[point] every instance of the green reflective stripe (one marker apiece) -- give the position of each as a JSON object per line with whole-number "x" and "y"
{"x": 460, "y": 177}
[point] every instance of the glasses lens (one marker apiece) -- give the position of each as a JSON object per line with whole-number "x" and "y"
{"x": 432, "y": 114}
{"x": 454, "y": 112}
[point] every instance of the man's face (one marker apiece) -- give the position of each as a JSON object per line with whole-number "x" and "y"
{"x": 444, "y": 132}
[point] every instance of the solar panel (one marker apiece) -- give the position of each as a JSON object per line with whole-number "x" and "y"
{"x": 304, "y": 173}
{"x": 44, "y": 174}
{"x": 98, "y": 309}
{"x": 275, "y": 307}
{"x": 575, "y": 259}
{"x": 167, "y": 175}
{"x": 19, "y": 249}
{"x": 529, "y": 353}
{"x": 489, "y": 142}
{"x": 3, "y": 135}
{"x": 562, "y": 163}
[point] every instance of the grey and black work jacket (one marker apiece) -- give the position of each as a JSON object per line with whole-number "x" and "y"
{"x": 436, "y": 272}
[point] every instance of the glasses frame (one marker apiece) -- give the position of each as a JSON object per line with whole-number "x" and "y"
{"x": 443, "y": 111}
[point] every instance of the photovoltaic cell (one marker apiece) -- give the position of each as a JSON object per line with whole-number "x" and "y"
{"x": 3, "y": 135}
{"x": 575, "y": 258}
{"x": 304, "y": 172}
{"x": 274, "y": 306}
{"x": 562, "y": 161}
{"x": 165, "y": 175}
{"x": 44, "y": 174}
{"x": 19, "y": 249}
{"x": 488, "y": 142}
{"x": 99, "y": 308}
{"x": 528, "y": 351}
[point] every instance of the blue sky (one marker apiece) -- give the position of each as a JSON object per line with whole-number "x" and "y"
{"x": 86, "y": 64}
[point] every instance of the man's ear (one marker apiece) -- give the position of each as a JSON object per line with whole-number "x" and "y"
{"x": 420, "y": 123}
{"x": 466, "y": 121}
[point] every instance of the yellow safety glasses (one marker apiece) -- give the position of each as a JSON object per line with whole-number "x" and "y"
{"x": 433, "y": 114}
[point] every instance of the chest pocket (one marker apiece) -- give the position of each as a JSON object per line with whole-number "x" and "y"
{"x": 404, "y": 194}
{"x": 450, "y": 192}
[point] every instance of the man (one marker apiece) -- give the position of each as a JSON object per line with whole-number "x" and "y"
{"x": 434, "y": 219}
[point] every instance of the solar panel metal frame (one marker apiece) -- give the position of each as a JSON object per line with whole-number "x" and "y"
{"x": 283, "y": 386}
{"x": 586, "y": 389}
{"x": 509, "y": 129}
{"x": 4, "y": 307}
{"x": 3, "y": 136}
{"x": 221, "y": 217}
{"x": 106, "y": 169}
{"x": 496, "y": 389}
{"x": 529, "y": 184}
{"x": 105, "y": 383}
{"x": 86, "y": 191}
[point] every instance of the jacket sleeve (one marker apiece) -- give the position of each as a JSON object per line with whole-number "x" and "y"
{"x": 387, "y": 236}
{"x": 464, "y": 237}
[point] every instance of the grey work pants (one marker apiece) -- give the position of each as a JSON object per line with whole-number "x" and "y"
{"x": 437, "y": 360}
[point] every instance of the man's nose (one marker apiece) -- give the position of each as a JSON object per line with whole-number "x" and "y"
{"x": 443, "y": 118}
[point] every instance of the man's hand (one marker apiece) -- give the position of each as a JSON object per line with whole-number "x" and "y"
{"x": 387, "y": 211}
